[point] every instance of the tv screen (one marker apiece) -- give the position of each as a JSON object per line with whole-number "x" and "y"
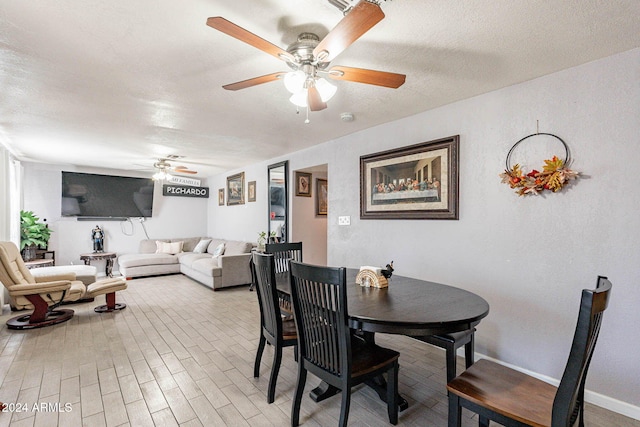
{"x": 106, "y": 196}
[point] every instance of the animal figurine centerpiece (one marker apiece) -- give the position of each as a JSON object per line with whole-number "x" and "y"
{"x": 374, "y": 277}
{"x": 387, "y": 272}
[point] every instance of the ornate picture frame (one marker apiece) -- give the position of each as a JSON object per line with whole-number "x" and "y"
{"x": 235, "y": 189}
{"x": 303, "y": 184}
{"x": 251, "y": 191}
{"x": 415, "y": 182}
{"x": 322, "y": 194}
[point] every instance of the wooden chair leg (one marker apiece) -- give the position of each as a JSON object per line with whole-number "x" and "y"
{"x": 450, "y": 356}
{"x": 256, "y": 365}
{"x": 344, "y": 407}
{"x": 469, "y": 352}
{"x": 392, "y": 394}
{"x": 455, "y": 411}
{"x": 297, "y": 397}
{"x": 277, "y": 359}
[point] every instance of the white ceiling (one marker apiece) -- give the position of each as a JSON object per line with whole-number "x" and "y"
{"x": 119, "y": 83}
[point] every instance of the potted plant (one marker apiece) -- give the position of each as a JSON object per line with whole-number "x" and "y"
{"x": 33, "y": 234}
{"x": 262, "y": 240}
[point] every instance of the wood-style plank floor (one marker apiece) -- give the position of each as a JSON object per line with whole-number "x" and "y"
{"x": 181, "y": 354}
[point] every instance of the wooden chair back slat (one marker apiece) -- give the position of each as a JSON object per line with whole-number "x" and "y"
{"x": 283, "y": 252}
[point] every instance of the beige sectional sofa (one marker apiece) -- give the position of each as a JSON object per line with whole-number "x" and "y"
{"x": 231, "y": 268}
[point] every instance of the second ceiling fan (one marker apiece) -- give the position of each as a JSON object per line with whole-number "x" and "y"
{"x": 309, "y": 58}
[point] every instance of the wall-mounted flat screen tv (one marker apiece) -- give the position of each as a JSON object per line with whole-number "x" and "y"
{"x": 106, "y": 196}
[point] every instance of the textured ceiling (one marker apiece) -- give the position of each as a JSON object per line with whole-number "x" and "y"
{"x": 119, "y": 83}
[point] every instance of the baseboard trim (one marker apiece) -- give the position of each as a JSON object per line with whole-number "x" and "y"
{"x": 615, "y": 405}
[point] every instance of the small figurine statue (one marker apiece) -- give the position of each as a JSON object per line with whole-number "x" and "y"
{"x": 388, "y": 271}
{"x": 98, "y": 239}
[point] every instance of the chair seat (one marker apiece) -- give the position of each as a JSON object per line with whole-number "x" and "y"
{"x": 507, "y": 392}
{"x": 289, "y": 330}
{"x": 368, "y": 357}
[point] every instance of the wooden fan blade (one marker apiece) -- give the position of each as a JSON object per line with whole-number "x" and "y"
{"x": 254, "y": 81}
{"x": 357, "y": 22}
{"x": 370, "y": 77}
{"x": 314, "y": 100}
{"x": 184, "y": 169}
{"x": 233, "y": 30}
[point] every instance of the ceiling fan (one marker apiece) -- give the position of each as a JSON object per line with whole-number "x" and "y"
{"x": 163, "y": 168}
{"x": 309, "y": 57}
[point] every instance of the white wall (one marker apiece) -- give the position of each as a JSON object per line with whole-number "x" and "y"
{"x": 528, "y": 257}
{"x": 172, "y": 216}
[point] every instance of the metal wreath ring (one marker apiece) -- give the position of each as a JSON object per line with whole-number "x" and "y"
{"x": 564, "y": 144}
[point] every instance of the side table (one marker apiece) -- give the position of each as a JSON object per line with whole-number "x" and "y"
{"x": 37, "y": 263}
{"x": 109, "y": 256}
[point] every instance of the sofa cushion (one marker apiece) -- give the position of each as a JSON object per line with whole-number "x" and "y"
{"x": 213, "y": 245}
{"x": 234, "y": 247}
{"x": 137, "y": 260}
{"x": 207, "y": 266}
{"x": 202, "y": 246}
{"x": 169, "y": 247}
{"x": 219, "y": 250}
{"x": 148, "y": 246}
{"x": 188, "y": 258}
{"x": 188, "y": 244}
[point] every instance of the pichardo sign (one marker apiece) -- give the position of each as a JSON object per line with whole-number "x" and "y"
{"x": 185, "y": 191}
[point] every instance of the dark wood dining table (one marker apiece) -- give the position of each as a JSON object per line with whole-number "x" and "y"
{"x": 408, "y": 306}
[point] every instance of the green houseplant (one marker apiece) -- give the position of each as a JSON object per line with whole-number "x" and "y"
{"x": 33, "y": 234}
{"x": 262, "y": 239}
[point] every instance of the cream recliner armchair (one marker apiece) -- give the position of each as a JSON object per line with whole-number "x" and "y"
{"x": 45, "y": 294}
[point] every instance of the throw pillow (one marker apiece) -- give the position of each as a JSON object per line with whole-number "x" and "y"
{"x": 219, "y": 250}
{"x": 202, "y": 245}
{"x": 168, "y": 248}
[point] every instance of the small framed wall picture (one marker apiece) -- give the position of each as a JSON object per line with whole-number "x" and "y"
{"x": 251, "y": 191}
{"x": 303, "y": 184}
{"x": 235, "y": 189}
{"x": 322, "y": 192}
{"x": 221, "y": 197}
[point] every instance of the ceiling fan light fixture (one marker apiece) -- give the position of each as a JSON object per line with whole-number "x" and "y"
{"x": 326, "y": 89}
{"x": 299, "y": 98}
{"x": 161, "y": 176}
{"x": 294, "y": 81}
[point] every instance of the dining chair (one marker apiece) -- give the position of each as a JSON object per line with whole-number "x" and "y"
{"x": 273, "y": 329}
{"x": 326, "y": 347}
{"x": 512, "y": 398}
{"x": 282, "y": 253}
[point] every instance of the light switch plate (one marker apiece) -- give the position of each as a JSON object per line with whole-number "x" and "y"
{"x": 344, "y": 220}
